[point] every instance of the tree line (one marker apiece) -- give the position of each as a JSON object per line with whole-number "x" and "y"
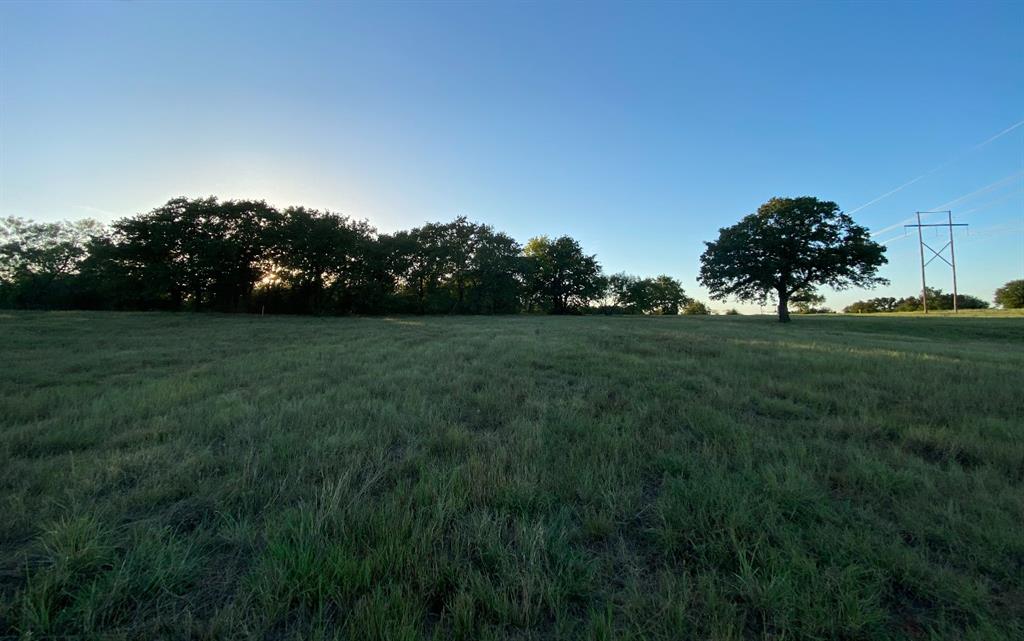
{"x": 247, "y": 256}
{"x": 1009, "y": 296}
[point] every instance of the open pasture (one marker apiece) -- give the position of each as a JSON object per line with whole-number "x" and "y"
{"x": 216, "y": 476}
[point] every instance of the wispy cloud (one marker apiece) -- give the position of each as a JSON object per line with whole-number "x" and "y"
{"x": 937, "y": 208}
{"x": 940, "y": 167}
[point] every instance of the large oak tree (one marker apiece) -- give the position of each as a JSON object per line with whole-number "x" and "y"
{"x": 788, "y": 246}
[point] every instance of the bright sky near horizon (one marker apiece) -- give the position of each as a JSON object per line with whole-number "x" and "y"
{"x": 639, "y": 129}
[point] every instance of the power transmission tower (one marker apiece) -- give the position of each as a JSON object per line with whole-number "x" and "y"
{"x": 937, "y": 254}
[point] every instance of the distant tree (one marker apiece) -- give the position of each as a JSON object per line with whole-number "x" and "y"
{"x": 561, "y": 278}
{"x": 963, "y": 301}
{"x": 406, "y": 261}
{"x": 871, "y": 306}
{"x": 808, "y": 301}
{"x": 660, "y": 295}
{"x": 38, "y": 258}
{"x": 859, "y": 307}
{"x": 449, "y": 247}
{"x": 434, "y": 265}
{"x": 667, "y": 295}
{"x": 884, "y": 303}
{"x": 380, "y": 271}
{"x": 696, "y": 308}
{"x": 790, "y": 244}
{"x": 459, "y": 267}
{"x": 1011, "y": 295}
{"x": 319, "y": 258}
{"x": 193, "y": 253}
{"x": 937, "y": 300}
{"x": 496, "y": 273}
{"x": 629, "y": 293}
{"x": 732, "y": 312}
{"x": 913, "y": 303}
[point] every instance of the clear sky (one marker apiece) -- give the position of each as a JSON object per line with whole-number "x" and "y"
{"x": 639, "y": 129}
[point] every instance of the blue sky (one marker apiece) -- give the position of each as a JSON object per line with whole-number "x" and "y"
{"x": 639, "y": 129}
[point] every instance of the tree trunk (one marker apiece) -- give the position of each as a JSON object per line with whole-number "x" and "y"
{"x": 783, "y": 309}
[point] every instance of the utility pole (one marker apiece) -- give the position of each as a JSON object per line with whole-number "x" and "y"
{"x": 951, "y": 261}
{"x": 920, "y": 244}
{"x": 952, "y": 258}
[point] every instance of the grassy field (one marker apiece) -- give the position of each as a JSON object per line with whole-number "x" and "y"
{"x": 208, "y": 476}
{"x": 945, "y": 313}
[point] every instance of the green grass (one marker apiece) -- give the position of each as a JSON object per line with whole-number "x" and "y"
{"x": 946, "y": 313}
{"x": 207, "y": 476}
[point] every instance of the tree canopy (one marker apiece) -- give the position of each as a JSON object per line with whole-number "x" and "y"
{"x": 696, "y": 308}
{"x": 201, "y": 253}
{"x": 38, "y": 259}
{"x": 560, "y": 277}
{"x": 872, "y": 306}
{"x": 788, "y": 246}
{"x": 1011, "y": 295}
{"x": 662, "y": 295}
